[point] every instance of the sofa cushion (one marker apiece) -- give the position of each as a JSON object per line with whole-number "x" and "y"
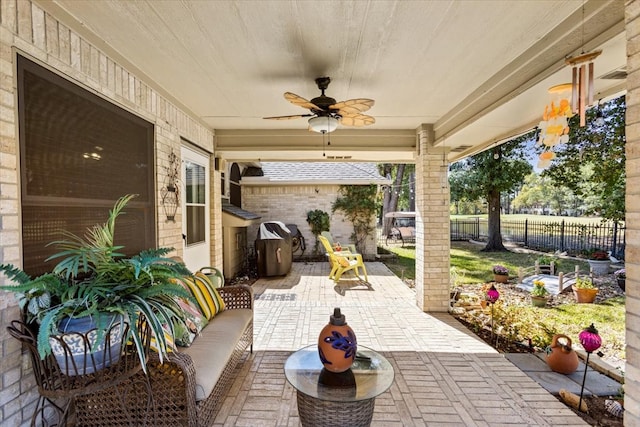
{"x": 206, "y": 295}
{"x": 214, "y": 346}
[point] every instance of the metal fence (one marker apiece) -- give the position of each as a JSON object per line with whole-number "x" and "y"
{"x": 563, "y": 236}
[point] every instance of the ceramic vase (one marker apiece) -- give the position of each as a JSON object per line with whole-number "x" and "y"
{"x": 562, "y": 358}
{"x": 337, "y": 344}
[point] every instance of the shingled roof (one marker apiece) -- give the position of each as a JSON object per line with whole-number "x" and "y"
{"x": 316, "y": 173}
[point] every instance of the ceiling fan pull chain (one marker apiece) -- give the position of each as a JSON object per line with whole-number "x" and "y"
{"x": 323, "y": 154}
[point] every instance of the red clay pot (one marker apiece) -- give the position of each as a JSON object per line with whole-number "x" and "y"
{"x": 562, "y": 358}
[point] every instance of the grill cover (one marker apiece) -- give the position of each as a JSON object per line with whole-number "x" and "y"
{"x": 274, "y": 249}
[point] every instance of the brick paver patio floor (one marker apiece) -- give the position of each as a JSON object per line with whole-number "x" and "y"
{"x": 444, "y": 375}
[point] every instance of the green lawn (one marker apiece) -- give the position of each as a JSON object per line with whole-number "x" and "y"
{"x": 473, "y": 266}
{"x": 469, "y": 265}
{"x": 535, "y": 218}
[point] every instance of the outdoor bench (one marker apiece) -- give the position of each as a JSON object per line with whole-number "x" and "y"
{"x": 188, "y": 387}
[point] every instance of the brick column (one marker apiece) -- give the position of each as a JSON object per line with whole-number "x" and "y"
{"x": 432, "y": 225}
{"x": 632, "y": 252}
{"x": 215, "y": 216}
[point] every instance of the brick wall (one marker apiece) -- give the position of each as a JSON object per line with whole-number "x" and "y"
{"x": 290, "y": 204}
{"x": 432, "y": 226}
{"x": 26, "y": 28}
{"x": 632, "y": 252}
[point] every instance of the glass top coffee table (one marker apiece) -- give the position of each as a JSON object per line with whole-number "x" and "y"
{"x": 345, "y": 399}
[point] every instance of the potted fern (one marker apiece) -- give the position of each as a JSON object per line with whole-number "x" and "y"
{"x": 98, "y": 287}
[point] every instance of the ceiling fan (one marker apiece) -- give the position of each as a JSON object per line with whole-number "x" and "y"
{"x": 326, "y": 113}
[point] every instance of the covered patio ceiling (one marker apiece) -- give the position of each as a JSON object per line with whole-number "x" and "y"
{"x": 477, "y": 70}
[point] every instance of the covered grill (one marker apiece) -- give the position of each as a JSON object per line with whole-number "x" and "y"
{"x": 274, "y": 249}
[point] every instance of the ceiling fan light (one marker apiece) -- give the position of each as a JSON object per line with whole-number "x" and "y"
{"x": 323, "y": 124}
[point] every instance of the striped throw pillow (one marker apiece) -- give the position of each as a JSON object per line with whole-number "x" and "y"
{"x": 208, "y": 298}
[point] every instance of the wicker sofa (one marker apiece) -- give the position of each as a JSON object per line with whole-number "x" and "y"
{"x": 187, "y": 389}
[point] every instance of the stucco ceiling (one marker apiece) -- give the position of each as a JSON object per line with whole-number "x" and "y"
{"x": 477, "y": 70}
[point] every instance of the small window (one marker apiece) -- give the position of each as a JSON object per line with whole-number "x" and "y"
{"x": 196, "y": 200}
{"x": 235, "y": 193}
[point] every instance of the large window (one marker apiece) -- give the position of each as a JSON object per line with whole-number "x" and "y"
{"x": 78, "y": 154}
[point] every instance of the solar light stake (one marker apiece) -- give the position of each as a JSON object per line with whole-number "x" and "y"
{"x": 590, "y": 341}
{"x": 492, "y": 297}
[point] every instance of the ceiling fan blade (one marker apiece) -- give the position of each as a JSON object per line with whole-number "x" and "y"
{"x": 357, "y": 120}
{"x": 353, "y": 106}
{"x": 295, "y": 116}
{"x": 300, "y": 101}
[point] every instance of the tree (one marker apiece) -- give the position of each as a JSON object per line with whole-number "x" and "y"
{"x": 400, "y": 195}
{"x": 358, "y": 202}
{"x": 319, "y": 222}
{"x": 541, "y": 192}
{"x": 592, "y": 163}
{"x": 487, "y": 174}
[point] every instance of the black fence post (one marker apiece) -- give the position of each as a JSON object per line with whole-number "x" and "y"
{"x": 562, "y": 236}
{"x": 526, "y": 232}
{"x": 614, "y": 245}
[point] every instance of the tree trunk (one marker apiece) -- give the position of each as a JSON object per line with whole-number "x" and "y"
{"x": 494, "y": 242}
{"x": 391, "y": 197}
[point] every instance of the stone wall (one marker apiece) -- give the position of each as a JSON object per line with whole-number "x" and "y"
{"x": 290, "y": 204}
{"x": 27, "y": 29}
{"x": 632, "y": 251}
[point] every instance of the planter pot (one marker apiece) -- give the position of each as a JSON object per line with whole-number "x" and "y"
{"x": 599, "y": 267}
{"x": 78, "y": 351}
{"x": 621, "y": 283}
{"x": 501, "y": 278}
{"x": 585, "y": 295}
{"x": 538, "y": 301}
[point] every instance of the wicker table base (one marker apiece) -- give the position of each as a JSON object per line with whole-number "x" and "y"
{"x": 315, "y": 412}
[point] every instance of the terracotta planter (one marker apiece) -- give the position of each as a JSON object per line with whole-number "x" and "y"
{"x": 538, "y": 301}
{"x": 501, "y": 278}
{"x": 585, "y": 295}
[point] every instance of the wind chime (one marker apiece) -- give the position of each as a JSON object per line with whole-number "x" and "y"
{"x": 554, "y": 127}
{"x": 582, "y": 70}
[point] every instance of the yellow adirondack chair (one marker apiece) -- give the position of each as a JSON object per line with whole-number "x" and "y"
{"x": 349, "y": 247}
{"x": 342, "y": 261}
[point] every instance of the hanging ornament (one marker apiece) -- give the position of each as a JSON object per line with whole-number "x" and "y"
{"x": 554, "y": 127}
{"x": 582, "y": 71}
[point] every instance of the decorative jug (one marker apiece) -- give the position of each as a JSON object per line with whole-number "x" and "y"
{"x": 337, "y": 344}
{"x": 561, "y": 357}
